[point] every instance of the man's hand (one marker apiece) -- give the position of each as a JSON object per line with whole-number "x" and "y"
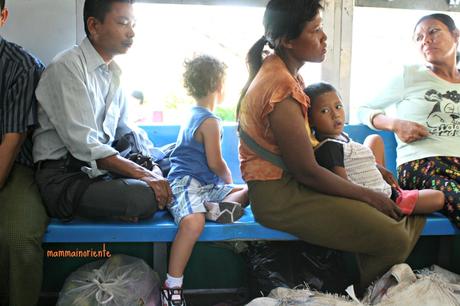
{"x": 160, "y": 186}
{"x": 128, "y": 168}
{"x": 409, "y": 131}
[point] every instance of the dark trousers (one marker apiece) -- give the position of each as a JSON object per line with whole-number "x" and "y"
{"x": 23, "y": 221}
{"x": 68, "y": 192}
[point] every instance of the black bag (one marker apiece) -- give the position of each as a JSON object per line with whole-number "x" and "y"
{"x": 290, "y": 264}
{"x": 163, "y": 160}
{"x": 129, "y": 149}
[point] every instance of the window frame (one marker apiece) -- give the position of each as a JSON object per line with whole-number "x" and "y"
{"x": 436, "y": 5}
{"x": 338, "y": 25}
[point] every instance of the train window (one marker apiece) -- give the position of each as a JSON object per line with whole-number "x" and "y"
{"x": 382, "y": 44}
{"x": 166, "y": 34}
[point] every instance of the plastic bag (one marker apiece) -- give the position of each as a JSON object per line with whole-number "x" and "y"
{"x": 401, "y": 286}
{"x": 302, "y": 297}
{"x": 289, "y": 264}
{"x": 120, "y": 280}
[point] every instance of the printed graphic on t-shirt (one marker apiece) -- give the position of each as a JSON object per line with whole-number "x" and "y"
{"x": 444, "y": 118}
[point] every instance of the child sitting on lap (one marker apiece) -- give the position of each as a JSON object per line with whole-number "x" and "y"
{"x": 200, "y": 178}
{"x": 361, "y": 164}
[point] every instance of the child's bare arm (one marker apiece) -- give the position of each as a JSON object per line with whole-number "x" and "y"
{"x": 209, "y": 132}
{"x": 387, "y": 176}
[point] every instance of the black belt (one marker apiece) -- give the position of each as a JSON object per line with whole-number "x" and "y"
{"x": 49, "y": 163}
{"x": 70, "y": 163}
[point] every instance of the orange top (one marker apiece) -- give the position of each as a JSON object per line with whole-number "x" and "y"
{"x": 272, "y": 84}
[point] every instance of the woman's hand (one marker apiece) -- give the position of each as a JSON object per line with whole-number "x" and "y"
{"x": 384, "y": 204}
{"x": 388, "y": 176}
{"x": 409, "y": 131}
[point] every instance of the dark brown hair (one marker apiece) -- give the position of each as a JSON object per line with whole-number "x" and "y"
{"x": 282, "y": 18}
{"x": 98, "y": 9}
{"x": 445, "y": 19}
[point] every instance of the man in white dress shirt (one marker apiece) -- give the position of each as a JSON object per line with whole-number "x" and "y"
{"x": 82, "y": 111}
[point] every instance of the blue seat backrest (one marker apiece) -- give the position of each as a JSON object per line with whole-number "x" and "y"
{"x": 359, "y": 132}
{"x": 164, "y": 134}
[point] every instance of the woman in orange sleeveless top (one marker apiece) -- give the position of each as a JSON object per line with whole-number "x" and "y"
{"x": 308, "y": 200}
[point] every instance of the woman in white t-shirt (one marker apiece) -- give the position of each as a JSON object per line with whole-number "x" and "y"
{"x": 427, "y": 121}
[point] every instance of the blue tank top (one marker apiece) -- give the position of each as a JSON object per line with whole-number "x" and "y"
{"x": 189, "y": 157}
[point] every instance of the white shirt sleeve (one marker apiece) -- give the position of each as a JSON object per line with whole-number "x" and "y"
{"x": 391, "y": 94}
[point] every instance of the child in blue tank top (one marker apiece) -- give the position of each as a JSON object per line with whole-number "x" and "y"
{"x": 200, "y": 178}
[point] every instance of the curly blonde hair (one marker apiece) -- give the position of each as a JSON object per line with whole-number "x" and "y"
{"x": 203, "y": 75}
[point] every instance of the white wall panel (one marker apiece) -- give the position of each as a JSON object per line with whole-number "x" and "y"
{"x": 45, "y": 27}
{"x": 80, "y": 24}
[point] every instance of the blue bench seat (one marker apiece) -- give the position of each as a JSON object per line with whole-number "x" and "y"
{"x": 161, "y": 228}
